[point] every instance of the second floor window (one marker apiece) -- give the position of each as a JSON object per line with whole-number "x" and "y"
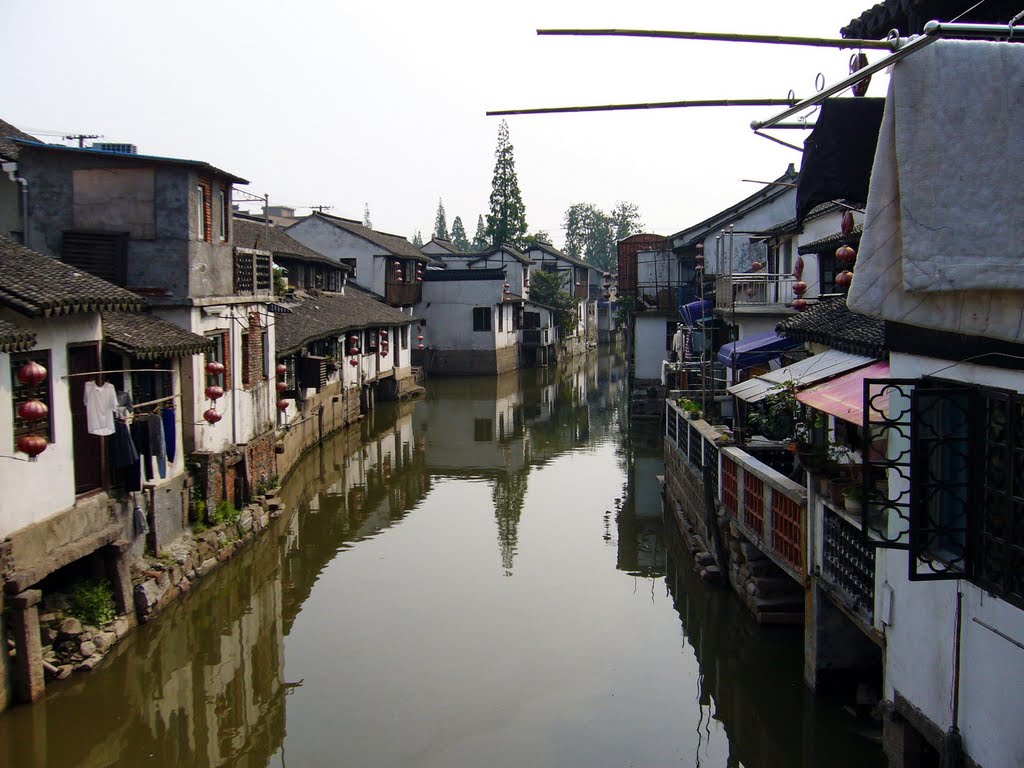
{"x": 224, "y": 206}
{"x": 203, "y": 211}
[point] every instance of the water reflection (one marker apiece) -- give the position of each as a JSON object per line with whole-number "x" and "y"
{"x": 481, "y": 577}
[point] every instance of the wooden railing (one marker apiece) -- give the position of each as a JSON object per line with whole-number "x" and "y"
{"x": 769, "y": 508}
{"x": 402, "y": 294}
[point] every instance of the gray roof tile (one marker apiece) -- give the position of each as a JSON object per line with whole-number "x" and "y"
{"x": 147, "y": 336}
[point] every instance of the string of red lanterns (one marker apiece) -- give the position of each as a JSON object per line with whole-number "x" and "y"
{"x": 32, "y": 411}
{"x": 214, "y": 392}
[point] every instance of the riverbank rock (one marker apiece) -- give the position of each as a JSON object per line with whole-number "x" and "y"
{"x": 70, "y": 628}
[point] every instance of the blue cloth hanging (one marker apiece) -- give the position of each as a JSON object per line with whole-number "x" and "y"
{"x": 170, "y": 436}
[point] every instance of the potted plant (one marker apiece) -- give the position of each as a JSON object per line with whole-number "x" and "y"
{"x": 690, "y": 409}
{"x": 852, "y": 496}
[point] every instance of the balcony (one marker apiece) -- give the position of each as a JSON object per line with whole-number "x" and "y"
{"x": 754, "y": 289}
{"x": 402, "y": 294}
{"x": 535, "y": 337}
{"x": 581, "y": 292}
{"x": 252, "y": 274}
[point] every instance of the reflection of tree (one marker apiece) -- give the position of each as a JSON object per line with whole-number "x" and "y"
{"x": 507, "y": 494}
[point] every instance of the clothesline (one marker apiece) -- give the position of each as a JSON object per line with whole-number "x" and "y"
{"x": 121, "y": 370}
{"x": 158, "y": 400}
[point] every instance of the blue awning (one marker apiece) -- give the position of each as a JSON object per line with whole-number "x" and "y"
{"x": 752, "y": 350}
{"x": 695, "y": 311}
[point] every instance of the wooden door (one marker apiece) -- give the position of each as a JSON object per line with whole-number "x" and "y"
{"x": 87, "y": 449}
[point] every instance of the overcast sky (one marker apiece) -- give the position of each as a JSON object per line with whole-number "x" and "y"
{"x": 343, "y": 103}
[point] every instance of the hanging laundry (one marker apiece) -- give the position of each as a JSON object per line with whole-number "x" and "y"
{"x": 124, "y": 406}
{"x": 156, "y": 433}
{"x": 170, "y": 436}
{"x": 100, "y": 404}
{"x": 143, "y": 444}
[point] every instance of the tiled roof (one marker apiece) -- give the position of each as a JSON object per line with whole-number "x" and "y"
{"x": 319, "y": 316}
{"x": 199, "y": 165}
{"x": 788, "y": 227}
{"x": 251, "y": 233}
{"x": 448, "y": 245}
{"x": 394, "y": 245}
{"x": 38, "y": 285}
{"x": 455, "y": 275}
{"x": 551, "y": 250}
{"x": 832, "y": 323}
{"x": 8, "y": 149}
{"x": 147, "y": 336}
{"x": 15, "y": 339}
{"x": 832, "y": 241}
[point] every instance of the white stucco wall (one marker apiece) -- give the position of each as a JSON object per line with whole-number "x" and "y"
{"x": 649, "y": 345}
{"x": 36, "y": 490}
{"x": 779, "y": 210}
{"x": 338, "y": 244}
{"x": 920, "y": 628}
{"x": 816, "y": 229}
{"x": 447, "y": 308}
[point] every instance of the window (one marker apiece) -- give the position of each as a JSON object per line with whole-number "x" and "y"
{"x": 517, "y": 314}
{"x": 481, "y": 318}
{"x": 403, "y": 335}
{"x": 828, "y": 270}
{"x": 202, "y": 211}
{"x": 501, "y": 318}
{"x": 220, "y": 354}
{"x": 967, "y": 486}
{"x": 20, "y": 393}
{"x": 371, "y": 336}
{"x": 267, "y": 352}
{"x": 351, "y": 264}
{"x": 246, "y": 361}
{"x": 483, "y": 430}
{"x": 224, "y": 206}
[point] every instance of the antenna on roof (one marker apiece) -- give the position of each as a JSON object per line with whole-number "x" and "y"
{"x": 80, "y": 138}
{"x": 320, "y": 208}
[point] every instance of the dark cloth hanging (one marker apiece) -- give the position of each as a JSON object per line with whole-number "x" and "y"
{"x": 170, "y": 437}
{"x": 125, "y": 457}
{"x": 143, "y": 444}
{"x": 156, "y": 443}
{"x": 839, "y": 153}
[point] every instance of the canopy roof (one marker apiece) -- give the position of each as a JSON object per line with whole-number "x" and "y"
{"x": 759, "y": 348}
{"x": 813, "y": 369}
{"x": 844, "y": 397}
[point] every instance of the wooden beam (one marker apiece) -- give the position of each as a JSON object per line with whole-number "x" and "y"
{"x": 727, "y": 37}
{"x": 648, "y": 105}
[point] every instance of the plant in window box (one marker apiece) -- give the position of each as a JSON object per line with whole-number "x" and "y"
{"x": 690, "y": 409}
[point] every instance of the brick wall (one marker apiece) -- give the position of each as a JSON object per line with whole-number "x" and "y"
{"x": 253, "y": 370}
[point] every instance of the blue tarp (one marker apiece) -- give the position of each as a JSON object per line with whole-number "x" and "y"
{"x": 696, "y": 310}
{"x": 752, "y": 350}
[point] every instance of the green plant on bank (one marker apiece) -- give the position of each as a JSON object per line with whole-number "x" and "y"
{"x": 199, "y": 526}
{"x": 689, "y": 405}
{"x": 92, "y": 602}
{"x": 548, "y": 288}
{"x": 625, "y": 308}
{"x": 267, "y": 484}
{"x": 226, "y": 512}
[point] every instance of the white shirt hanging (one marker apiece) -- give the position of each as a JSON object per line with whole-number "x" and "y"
{"x": 100, "y": 404}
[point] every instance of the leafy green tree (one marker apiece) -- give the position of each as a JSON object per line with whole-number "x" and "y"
{"x": 539, "y": 236}
{"x": 440, "y": 222}
{"x": 417, "y": 239}
{"x": 480, "y": 242}
{"x": 506, "y": 223}
{"x": 366, "y": 216}
{"x": 459, "y": 239}
{"x": 626, "y": 219}
{"x": 592, "y": 235}
{"x": 549, "y": 288}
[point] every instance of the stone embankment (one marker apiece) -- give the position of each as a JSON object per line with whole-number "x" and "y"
{"x": 69, "y": 646}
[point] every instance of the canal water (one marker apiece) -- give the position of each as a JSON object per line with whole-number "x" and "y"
{"x": 479, "y": 578}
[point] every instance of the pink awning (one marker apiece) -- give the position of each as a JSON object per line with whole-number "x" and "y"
{"x": 843, "y": 397}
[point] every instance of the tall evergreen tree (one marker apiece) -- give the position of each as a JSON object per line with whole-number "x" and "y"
{"x": 417, "y": 239}
{"x": 366, "y": 216}
{"x": 440, "y": 222}
{"x": 506, "y": 223}
{"x": 459, "y": 239}
{"x": 480, "y": 241}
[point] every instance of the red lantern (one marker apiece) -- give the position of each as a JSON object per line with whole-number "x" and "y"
{"x": 857, "y": 62}
{"x": 757, "y": 266}
{"x": 799, "y": 287}
{"x": 282, "y": 405}
{"x": 32, "y": 410}
{"x": 847, "y": 225}
{"x": 384, "y": 333}
{"x": 798, "y": 267}
{"x": 844, "y": 278}
{"x": 212, "y": 416}
{"x": 214, "y": 368}
{"x": 419, "y": 346}
{"x": 353, "y": 361}
{"x": 214, "y": 392}
{"x": 33, "y": 445}
{"x": 419, "y": 338}
{"x": 282, "y": 386}
{"x": 281, "y": 369}
{"x": 800, "y": 305}
{"x": 353, "y": 351}
{"x": 31, "y": 374}
{"x": 846, "y": 255}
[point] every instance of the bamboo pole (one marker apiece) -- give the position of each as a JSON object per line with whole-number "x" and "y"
{"x": 649, "y": 105}
{"x": 727, "y": 37}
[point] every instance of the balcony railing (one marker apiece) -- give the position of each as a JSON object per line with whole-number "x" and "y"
{"x": 251, "y": 272}
{"x": 756, "y": 289}
{"x": 402, "y": 294}
{"x": 768, "y": 507}
{"x": 535, "y": 337}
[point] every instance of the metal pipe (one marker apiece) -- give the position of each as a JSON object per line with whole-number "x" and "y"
{"x": 913, "y": 46}
{"x": 988, "y": 31}
{"x": 648, "y": 105}
{"x": 726, "y": 37}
